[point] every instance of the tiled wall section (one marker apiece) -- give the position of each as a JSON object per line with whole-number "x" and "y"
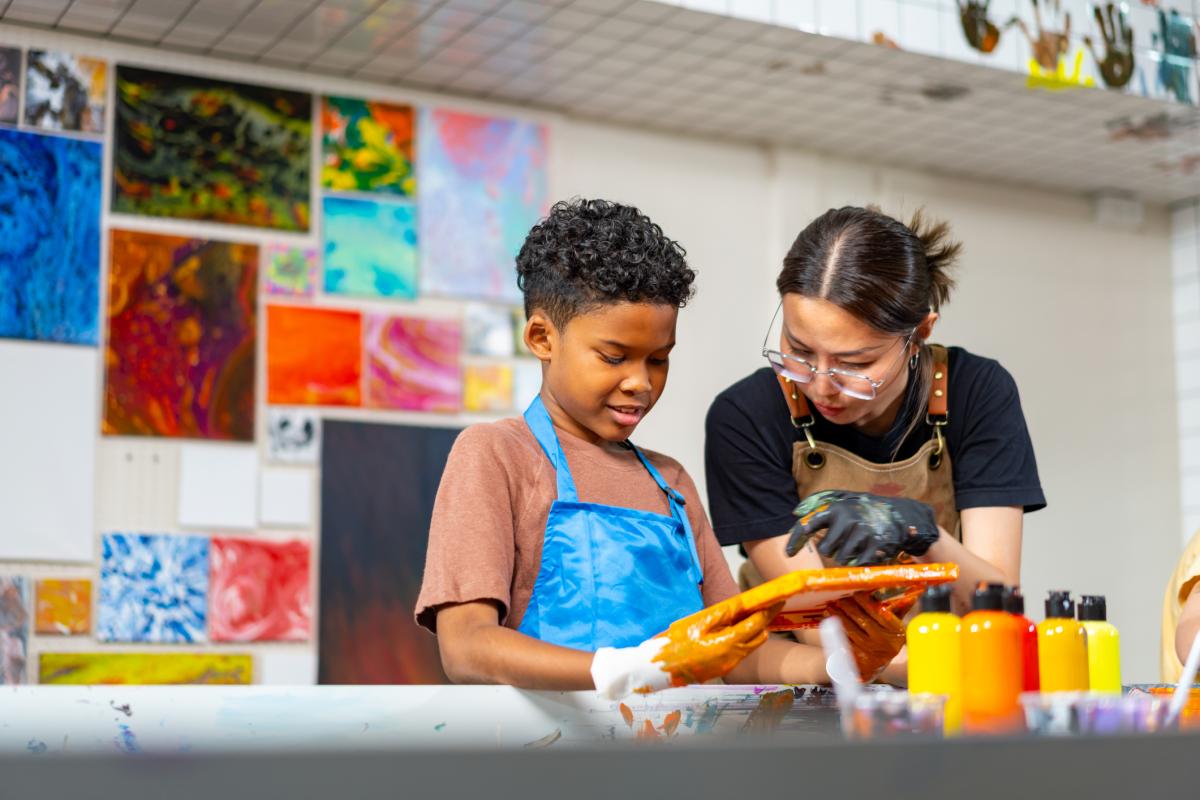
{"x": 1185, "y": 262}
{"x": 933, "y": 27}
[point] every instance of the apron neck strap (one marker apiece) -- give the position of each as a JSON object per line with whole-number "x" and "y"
{"x": 677, "y": 503}
{"x": 539, "y": 422}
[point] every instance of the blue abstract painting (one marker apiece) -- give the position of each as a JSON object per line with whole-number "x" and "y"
{"x": 49, "y": 238}
{"x": 152, "y": 588}
{"x": 370, "y": 247}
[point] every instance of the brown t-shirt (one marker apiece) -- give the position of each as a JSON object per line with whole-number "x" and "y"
{"x": 489, "y": 519}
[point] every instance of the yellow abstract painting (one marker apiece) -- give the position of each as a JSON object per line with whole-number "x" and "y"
{"x": 144, "y": 668}
{"x": 64, "y": 607}
{"x": 487, "y": 388}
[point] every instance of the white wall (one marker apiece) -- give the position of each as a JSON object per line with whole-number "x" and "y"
{"x": 1185, "y": 268}
{"x": 1063, "y": 303}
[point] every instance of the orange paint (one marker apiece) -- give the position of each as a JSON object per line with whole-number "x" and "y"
{"x": 626, "y": 714}
{"x": 314, "y": 356}
{"x": 647, "y": 731}
{"x": 671, "y": 722}
{"x": 992, "y": 665}
{"x": 64, "y": 607}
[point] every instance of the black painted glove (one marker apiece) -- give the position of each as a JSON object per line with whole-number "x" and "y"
{"x": 863, "y": 529}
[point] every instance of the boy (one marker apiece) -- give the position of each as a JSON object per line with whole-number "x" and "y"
{"x": 1181, "y": 612}
{"x": 557, "y": 550}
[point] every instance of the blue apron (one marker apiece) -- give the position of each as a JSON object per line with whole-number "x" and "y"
{"x": 610, "y": 576}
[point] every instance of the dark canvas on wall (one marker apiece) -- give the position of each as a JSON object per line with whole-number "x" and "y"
{"x": 378, "y": 483}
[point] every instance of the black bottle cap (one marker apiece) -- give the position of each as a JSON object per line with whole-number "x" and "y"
{"x": 1014, "y": 601}
{"x": 936, "y": 600}
{"x": 988, "y": 597}
{"x": 1059, "y": 605}
{"x": 1093, "y": 608}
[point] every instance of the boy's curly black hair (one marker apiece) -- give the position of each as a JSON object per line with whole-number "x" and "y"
{"x": 589, "y": 253}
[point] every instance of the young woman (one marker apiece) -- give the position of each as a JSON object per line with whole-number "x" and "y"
{"x": 896, "y": 445}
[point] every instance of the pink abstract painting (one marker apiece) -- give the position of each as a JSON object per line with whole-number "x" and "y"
{"x": 413, "y": 364}
{"x": 260, "y": 591}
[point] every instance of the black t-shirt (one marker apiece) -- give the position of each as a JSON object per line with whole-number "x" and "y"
{"x": 749, "y": 438}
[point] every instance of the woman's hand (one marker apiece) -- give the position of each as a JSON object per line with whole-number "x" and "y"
{"x": 876, "y": 634}
{"x": 863, "y": 529}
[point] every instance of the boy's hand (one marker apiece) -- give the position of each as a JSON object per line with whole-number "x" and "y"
{"x": 695, "y": 649}
{"x": 876, "y": 634}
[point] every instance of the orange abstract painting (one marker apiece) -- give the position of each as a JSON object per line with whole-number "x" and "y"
{"x": 314, "y": 356}
{"x": 64, "y": 607}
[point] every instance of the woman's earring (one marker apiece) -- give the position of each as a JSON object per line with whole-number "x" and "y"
{"x": 912, "y": 362}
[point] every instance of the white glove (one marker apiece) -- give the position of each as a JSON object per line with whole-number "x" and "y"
{"x": 620, "y": 671}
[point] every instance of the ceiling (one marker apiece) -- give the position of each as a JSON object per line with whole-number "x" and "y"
{"x": 654, "y": 65}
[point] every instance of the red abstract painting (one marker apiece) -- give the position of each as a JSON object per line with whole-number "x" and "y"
{"x": 181, "y": 337}
{"x": 314, "y": 356}
{"x": 259, "y": 590}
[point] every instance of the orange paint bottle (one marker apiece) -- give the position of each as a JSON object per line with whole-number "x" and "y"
{"x": 1014, "y": 603}
{"x": 991, "y": 665}
{"x": 1062, "y": 647}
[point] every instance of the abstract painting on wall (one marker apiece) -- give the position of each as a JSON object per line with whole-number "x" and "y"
{"x": 64, "y": 607}
{"x": 200, "y": 148}
{"x": 10, "y": 84}
{"x": 50, "y": 259}
{"x": 64, "y": 92}
{"x": 413, "y": 364}
{"x": 488, "y": 330}
{"x": 293, "y": 436}
{"x": 487, "y": 387}
{"x": 14, "y": 630}
{"x": 314, "y": 356}
{"x": 153, "y": 588}
{"x": 518, "y": 333}
{"x": 374, "y": 530}
{"x": 366, "y": 146}
{"x": 290, "y": 271}
{"x": 260, "y": 591}
{"x": 370, "y": 247}
{"x": 134, "y": 669}
{"x": 181, "y": 337}
{"x": 483, "y": 186}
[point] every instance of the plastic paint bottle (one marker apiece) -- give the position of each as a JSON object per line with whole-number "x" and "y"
{"x": 1062, "y": 647}
{"x": 1103, "y": 645}
{"x": 991, "y": 665}
{"x": 935, "y": 653}
{"x": 1014, "y": 603}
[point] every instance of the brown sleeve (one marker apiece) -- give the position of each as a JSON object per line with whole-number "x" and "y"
{"x": 718, "y": 581}
{"x": 471, "y": 552}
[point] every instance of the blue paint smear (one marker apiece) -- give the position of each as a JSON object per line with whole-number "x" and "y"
{"x": 49, "y": 238}
{"x": 125, "y": 741}
{"x": 36, "y": 746}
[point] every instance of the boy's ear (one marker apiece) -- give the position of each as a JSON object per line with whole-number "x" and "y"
{"x": 541, "y": 337}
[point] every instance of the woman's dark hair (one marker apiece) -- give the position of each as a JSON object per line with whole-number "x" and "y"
{"x": 887, "y": 274}
{"x": 588, "y": 253}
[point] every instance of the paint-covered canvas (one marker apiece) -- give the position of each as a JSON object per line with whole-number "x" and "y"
{"x": 367, "y": 146}
{"x": 10, "y": 84}
{"x": 153, "y": 588}
{"x": 259, "y": 591}
{"x": 370, "y": 247}
{"x": 290, "y": 271}
{"x": 483, "y": 186}
{"x": 50, "y": 257}
{"x": 487, "y": 330}
{"x": 413, "y": 364}
{"x": 64, "y": 607}
{"x": 181, "y": 337}
{"x": 65, "y": 92}
{"x": 488, "y": 387}
{"x": 138, "y": 669}
{"x": 14, "y": 630}
{"x": 314, "y": 356}
{"x": 199, "y": 148}
{"x": 293, "y": 436}
{"x": 378, "y": 483}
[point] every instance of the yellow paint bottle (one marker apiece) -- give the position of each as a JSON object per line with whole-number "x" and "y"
{"x": 935, "y": 653}
{"x": 1103, "y": 645}
{"x": 1062, "y": 647}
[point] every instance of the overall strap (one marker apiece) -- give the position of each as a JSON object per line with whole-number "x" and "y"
{"x": 538, "y": 420}
{"x": 677, "y": 503}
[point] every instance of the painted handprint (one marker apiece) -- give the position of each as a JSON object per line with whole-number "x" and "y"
{"x": 1049, "y": 45}
{"x": 1178, "y": 43}
{"x": 981, "y": 32}
{"x": 1117, "y": 65}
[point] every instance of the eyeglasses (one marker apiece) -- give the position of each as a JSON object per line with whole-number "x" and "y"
{"x": 852, "y": 384}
